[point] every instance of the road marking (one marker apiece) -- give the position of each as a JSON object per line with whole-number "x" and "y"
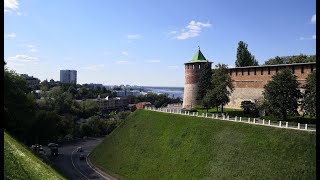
{"x": 75, "y": 166}
{"x": 96, "y": 170}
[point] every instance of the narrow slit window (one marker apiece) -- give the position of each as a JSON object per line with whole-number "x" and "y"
{"x": 261, "y": 71}
{"x": 248, "y": 71}
{"x": 199, "y": 66}
{"x": 255, "y": 71}
{"x": 242, "y": 72}
{"x": 236, "y": 72}
{"x": 276, "y": 69}
{"x": 302, "y": 69}
{"x": 268, "y": 70}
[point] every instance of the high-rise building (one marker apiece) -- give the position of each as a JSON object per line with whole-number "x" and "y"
{"x": 68, "y": 76}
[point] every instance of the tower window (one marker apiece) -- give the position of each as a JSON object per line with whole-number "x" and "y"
{"x": 193, "y": 66}
{"x": 199, "y": 66}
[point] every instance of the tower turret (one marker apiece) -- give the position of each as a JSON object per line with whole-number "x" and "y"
{"x": 193, "y": 70}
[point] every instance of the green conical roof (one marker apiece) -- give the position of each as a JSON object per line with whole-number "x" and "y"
{"x": 198, "y": 57}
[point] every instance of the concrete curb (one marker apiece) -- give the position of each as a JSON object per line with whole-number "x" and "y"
{"x": 99, "y": 171}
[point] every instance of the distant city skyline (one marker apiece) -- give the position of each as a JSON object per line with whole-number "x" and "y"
{"x": 146, "y": 43}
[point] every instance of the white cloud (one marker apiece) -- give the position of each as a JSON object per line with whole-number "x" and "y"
{"x": 97, "y": 67}
{"x": 193, "y": 29}
{"x": 308, "y": 38}
{"x": 23, "y": 58}
{"x": 34, "y": 50}
{"x": 11, "y": 5}
{"x": 121, "y": 62}
{"x": 153, "y": 61}
{"x": 133, "y": 36}
{"x": 173, "y": 67}
{"x": 125, "y": 53}
{"x": 313, "y": 19}
{"x": 12, "y": 35}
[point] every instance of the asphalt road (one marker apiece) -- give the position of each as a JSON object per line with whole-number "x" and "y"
{"x": 69, "y": 164}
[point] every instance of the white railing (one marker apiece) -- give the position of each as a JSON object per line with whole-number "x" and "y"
{"x": 221, "y": 116}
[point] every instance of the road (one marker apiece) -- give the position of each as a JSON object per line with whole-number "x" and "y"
{"x": 69, "y": 164}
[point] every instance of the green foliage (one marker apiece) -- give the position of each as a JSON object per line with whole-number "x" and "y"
{"x": 291, "y": 59}
{"x": 19, "y": 108}
{"x": 156, "y": 99}
{"x": 205, "y": 82}
{"x": 249, "y": 107}
{"x": 310, "y": 94}
{"x": 282, "y": 94}
{"x": 222, "y": 86}
{"x": 153, "y": 145}
{"x": 244, "y": 57}
{"x": 20, "y": 163}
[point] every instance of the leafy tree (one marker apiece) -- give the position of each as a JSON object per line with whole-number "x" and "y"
{"x": 291, "y": 59}
{"x": 309, "y": 96}
{"x": 249, "y": 107}
{"x": 204, "y": 82}
{"x": 244, "y": 57}
{"x": 19, "y": 108}
{"x": 222, "y": 86}
{"x": 282, "y": 93}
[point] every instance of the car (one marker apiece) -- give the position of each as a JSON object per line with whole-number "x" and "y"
{"x": 81, "y": 157}
{"x": 79, "y": 149}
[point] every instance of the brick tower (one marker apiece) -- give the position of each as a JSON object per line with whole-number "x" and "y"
{"x": 193, "y": 70}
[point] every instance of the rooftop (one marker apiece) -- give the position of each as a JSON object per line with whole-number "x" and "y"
{"x": 198, "y": 57}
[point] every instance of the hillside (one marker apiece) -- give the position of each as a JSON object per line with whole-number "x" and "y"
{"x": 20, "y": 163}
{"x": 154, "y": 145}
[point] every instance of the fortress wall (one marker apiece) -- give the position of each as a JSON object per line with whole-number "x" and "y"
{"x": 249, "y": 82}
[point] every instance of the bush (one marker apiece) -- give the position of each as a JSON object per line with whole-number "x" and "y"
{"x": 249, "y": 107}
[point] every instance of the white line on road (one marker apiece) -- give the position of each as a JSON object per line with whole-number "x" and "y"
{"x": 96, "y": 170}
{"x": 75, "y": 166}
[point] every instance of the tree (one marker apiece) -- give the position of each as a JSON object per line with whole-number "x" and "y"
{"x": 309, "y": 96}
{"x": 244, "y": 57}
{"x": 204, "y": 82}
{"x": 282, "y": 93}
{"x": 276, "y": 60}
{"x": 222, "y": 86}
{"x": 291, "y": 59}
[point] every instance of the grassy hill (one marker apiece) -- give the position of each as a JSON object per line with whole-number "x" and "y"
{"x": 20, "y": 163}
{"x": 153, "y": 145}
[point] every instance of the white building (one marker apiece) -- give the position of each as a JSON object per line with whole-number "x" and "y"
{"x": 68, "y": 76}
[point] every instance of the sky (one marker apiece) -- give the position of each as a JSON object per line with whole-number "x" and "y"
{"x": 146, "y": 43}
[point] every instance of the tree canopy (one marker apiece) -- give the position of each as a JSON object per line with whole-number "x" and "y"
{"x": 244, "y": 57}
{"x": 291, "y": 59}
{"x": 309, "y": 96}
{"x": 282, "y": 93}
{"x": 205, "y": 82}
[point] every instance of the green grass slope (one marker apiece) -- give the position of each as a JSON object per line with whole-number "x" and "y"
{"x": 153, "y": 145}
{"x": 20, "y": 163}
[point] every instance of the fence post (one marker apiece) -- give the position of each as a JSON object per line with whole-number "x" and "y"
{"x": 248, "y": 120}
{"x": 206, "y": 114}
{"x": 306, "y": 127}
{"x": 212, "y": 116}
{"x": 298, "y": 125}
{"x": 197, "y": 113}
{"x": 269, "y": 123}
{"x": 192, "y": 113}
{"x": 240, "y": 119}
{"x": 254, "y": 120}
{"x": 217, "y": 116}
{"x": 235, "y": 118}
{"x": 189, "y": 113}
{"x": 228, "y": 117}
{"x": 279, "y": 123}
{"x": 262, "y": 121}
{"x": 286, "y": 124}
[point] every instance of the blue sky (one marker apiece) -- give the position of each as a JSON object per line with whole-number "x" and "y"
{"x": 147, "y": 43}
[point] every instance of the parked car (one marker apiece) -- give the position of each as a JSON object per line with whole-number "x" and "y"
{"x": 81, "y": 157}
{"x": 80, "y": 149}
